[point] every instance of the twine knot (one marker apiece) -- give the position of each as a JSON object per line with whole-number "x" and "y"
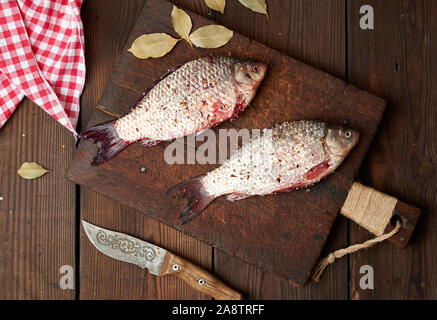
{"x": 371, "y": 210}
{"x": 321, "y": 266}
{"x": 331, "y": 258}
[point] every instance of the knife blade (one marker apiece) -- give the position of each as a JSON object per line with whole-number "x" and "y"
{"x": 157, "y": 260}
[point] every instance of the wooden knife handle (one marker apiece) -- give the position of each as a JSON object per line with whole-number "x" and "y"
{"x": 375, "y": 211}
{"x": 197, "y": 278}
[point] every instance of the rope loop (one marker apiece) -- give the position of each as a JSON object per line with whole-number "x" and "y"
{"x": 321, "y": 266}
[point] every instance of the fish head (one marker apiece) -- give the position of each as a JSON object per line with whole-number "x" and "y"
{"x": 249, "y": 75}
{"x": 339, "y": 141}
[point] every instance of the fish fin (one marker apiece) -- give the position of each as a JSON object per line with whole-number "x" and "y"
{"x": 110, "y": 144}
{"x": 198, "y": 198}
{"x": 290, "y": 188}
{"x": 239, "y": 106}
{"x": 237, "y": 196}
{"x": 316, "y": 171}
{"x": 149, "y": 142}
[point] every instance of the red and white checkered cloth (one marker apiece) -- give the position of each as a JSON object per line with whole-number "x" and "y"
{"x": 42, "y": 57}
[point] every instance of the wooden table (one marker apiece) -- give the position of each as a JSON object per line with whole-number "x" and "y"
{"x": 39, "y": 219}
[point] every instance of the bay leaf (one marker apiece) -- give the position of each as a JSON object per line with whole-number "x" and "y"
{"x": 181, "y": 23}
{"x": 31, "y": 170}
{"x": 217, "y": 5}
{"x": 211, "y": 36}
{"x": 153, "y": 45}
{"x": 259, "y": 6}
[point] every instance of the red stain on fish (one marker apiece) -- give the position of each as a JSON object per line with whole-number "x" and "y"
{"x": 187, "y": 99}
{"x": 317, "y": 171}
{"x": 286, "y": 157}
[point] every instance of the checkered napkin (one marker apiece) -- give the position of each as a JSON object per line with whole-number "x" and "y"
{"x": 42, "y": 57}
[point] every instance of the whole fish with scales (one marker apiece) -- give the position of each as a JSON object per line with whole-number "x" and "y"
{"x": 188, "y": 99}
{"x": 286, "y": 157}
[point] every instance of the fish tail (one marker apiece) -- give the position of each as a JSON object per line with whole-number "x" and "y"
{"x": 110, "y": 144}
{"x": 198, "y": 198}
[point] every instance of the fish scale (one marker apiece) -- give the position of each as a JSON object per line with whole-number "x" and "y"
{"x": 183, "y": 102}
{"x": 278, "y": 158}
{"x": 187, "y": 99}
{"x": 288, "y": 156}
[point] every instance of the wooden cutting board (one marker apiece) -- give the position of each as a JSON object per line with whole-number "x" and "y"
{"x": 283, "y": 234}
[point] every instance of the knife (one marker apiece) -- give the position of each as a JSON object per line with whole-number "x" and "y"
{"x": 158, "y": 260}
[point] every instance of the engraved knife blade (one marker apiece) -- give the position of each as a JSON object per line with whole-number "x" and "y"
{"x": 123, "y": 247}
{"x": 159, "y": 261}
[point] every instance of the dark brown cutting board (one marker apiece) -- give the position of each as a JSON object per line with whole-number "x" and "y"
{"x": 283, "y": 234}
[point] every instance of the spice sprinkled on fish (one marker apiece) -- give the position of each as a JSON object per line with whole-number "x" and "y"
{"x": 189, "y": 98}
{"x": 286, "y": 157}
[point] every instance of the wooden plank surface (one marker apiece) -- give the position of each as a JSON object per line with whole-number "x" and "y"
{"x": 397, "y": 61}
{"x": 327, "y": 55}
{"x": 394, "y": 61}
{"x": 293, "y": 228}
{"x": 107, "y": 25}
{"x": 37, "y": 221}
{"x": 311, "y": 31}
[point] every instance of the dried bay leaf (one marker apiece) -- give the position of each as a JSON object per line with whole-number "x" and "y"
{"x": 181, "y": 23}
{"x": 153, "y": 45}
{"x": 259, "y": 6}
{"x": 31, "y": 170}
{"x": 211, "y": 36}
{"x": 217, "y": 5}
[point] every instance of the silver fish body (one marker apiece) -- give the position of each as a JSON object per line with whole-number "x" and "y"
{"x": 286, "y": 157}
{"x": 189, "y": 98}
{"x": 196, "y": 96}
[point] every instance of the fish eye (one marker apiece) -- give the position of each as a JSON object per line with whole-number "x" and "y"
{"x": 348, "y": 134}
{"x": 255, "y": 68}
